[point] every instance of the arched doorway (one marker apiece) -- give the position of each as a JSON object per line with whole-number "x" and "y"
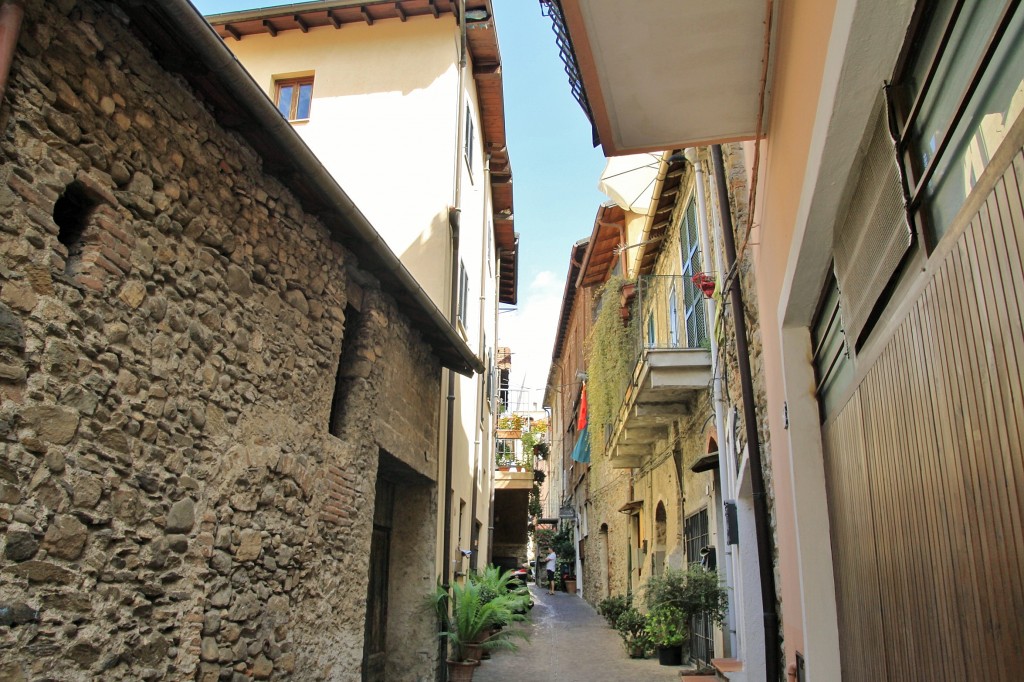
{"x": 660, "y": 538}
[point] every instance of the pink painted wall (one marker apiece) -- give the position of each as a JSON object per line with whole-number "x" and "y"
{"x": 801, "y": 42}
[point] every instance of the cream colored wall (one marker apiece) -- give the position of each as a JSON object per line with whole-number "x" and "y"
{"x": 382, "y": 122}
{"x": 635, "y": 224}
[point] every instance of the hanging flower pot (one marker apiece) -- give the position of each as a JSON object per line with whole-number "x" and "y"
{"x": 705, "y": 282}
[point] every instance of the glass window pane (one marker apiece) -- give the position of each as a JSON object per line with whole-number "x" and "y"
{"x": 305, "y": 97}
{"x": 284, "y": 100}
{"x": 965, "y": 48}
{"x": 995, "y": 107}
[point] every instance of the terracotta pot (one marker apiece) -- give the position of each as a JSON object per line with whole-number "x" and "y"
{"x": 474, "y": 652}
{"x": 626, "y": 294}
{"x": 570, "y": 585}
{"x": 705, "y": 282}
{"x": 461, "y": 671}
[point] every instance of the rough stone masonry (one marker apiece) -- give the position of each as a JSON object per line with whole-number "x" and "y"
{"x": 172, "y": 505}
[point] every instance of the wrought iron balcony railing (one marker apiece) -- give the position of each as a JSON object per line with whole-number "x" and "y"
{"x": 669, "y": 312}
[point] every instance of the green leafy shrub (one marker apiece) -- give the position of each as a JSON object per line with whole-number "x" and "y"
{"x": 667, "y": 626}
{"x": 565, "y": 547}
{"x": 694, "y": 592}
{"x": 611, "y": 354}
{"x": 612, "y": 607}
{"x": 632, "y": 627}
{"x": 534, "y": 508}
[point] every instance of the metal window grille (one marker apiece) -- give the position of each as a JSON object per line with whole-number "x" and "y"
{"x": 702, "y": 633}
{"x": 553, "y": 9}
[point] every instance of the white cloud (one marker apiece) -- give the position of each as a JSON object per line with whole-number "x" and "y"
{"x": 543, "y": 280}
{"x": 529, "y": 332}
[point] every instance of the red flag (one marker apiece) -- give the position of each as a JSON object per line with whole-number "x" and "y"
{"x": 581, "y": 421}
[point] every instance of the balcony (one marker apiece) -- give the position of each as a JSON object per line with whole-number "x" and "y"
{"x": 672, "y": 368}
{"x": 513, "y": 470}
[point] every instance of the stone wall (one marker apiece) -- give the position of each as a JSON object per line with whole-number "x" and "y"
{"x": 172, "y": 505}
{"x": 605, "y": 570}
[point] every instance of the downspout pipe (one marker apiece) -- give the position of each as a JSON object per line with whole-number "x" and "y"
{"x": 761, "y": 522}
{"x": 454, "y": 219}
{"x": 718, "y": 404}
{"x": 11, "y": 14}
{"x": 474, "y": 562}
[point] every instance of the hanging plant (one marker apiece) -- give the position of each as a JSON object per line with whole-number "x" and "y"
{"x": 611, "y": 355}
{"x": 706, "y": 283}
{"x": 534, "y": 509}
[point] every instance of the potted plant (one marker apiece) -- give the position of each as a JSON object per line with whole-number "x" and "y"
{"x": 469, "y": 621}
{"x": 690, "y": 593}
{"x": 667, "y": 627}
{"x": 566, "y": 551}
{"x": 632, "y": 627}
{"x": 705, "y": 282}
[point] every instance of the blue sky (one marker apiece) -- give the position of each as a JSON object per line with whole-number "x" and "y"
{"x": 555, "y": 170}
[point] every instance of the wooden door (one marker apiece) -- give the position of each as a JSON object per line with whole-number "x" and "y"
{"x": 375, "y": 640}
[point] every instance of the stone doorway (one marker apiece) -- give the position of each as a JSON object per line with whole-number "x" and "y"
{"x": 401, "y": 566}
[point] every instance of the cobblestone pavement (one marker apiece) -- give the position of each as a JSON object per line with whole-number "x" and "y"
{"x": 570, "y": 642}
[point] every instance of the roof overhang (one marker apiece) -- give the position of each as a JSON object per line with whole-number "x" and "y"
{"x": 603, "y": 247}
{"x": 568, "y": 298}
{"x": 706, "y": 463}
{"x": 666, "y": 74}
{"x": 482, "y": 41}
{"x": 183, "y": 43}
{"x": 632, "y": 507}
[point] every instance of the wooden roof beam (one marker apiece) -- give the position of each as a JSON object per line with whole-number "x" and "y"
{"x": 302, "y": 23}
{"x": 400, "y": 10}
{"x": 270, "y": 28}
{"x": 366, "y": 15}
{"x": 433, "y": 8}
{"x": 334, "y": 20}
{"x": 491, "y": 69}
{"x": 235, "y": 33}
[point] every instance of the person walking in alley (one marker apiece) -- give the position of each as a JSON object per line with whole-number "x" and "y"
{"x": 550, "y": 566}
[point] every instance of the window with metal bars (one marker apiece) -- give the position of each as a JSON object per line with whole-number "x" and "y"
{"x": 958, "y": 87}
{"x": 696, "y": 537}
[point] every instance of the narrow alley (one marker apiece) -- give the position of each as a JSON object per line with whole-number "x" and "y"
{"x": 570, "y": 642}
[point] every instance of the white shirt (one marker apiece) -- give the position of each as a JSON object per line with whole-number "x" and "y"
{"x": 550, "y": 566}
